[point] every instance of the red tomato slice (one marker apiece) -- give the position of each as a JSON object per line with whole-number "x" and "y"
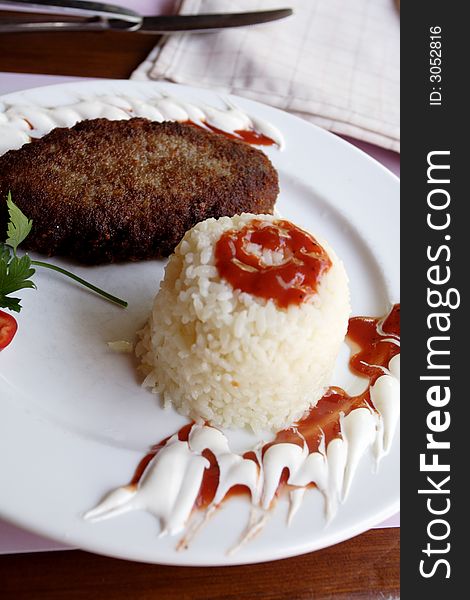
{"x": 8, "y": 327}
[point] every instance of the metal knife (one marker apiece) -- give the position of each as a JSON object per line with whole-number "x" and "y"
{"x": 201, "y": 23}
{"x": 96, "y": 16}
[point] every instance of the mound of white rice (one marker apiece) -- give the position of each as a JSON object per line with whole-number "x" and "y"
{"x": 229, "y": 358}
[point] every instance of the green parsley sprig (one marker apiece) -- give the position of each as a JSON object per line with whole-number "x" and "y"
{"x": 16, "y": 272}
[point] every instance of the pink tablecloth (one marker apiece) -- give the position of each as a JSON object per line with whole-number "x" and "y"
{"x": 13, "y": 539}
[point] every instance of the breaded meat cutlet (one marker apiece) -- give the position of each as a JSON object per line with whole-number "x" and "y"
{"x": 106, "y": 191}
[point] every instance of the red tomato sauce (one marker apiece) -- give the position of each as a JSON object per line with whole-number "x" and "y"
{"x": 288, "y": 283}
{"x": 246, "y": 135}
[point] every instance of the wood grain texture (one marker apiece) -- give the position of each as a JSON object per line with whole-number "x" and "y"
{"x": 365, "y": 567}
{"x": 87, "y": 54}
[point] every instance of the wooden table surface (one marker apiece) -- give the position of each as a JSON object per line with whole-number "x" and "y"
{"x": 364, "y": 567}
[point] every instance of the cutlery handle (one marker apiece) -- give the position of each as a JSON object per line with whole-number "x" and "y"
{"x": 25, "y": 26}
{"x": 73, "y": 8}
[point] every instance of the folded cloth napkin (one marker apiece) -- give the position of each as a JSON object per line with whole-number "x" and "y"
{"x": 334, "y": 62}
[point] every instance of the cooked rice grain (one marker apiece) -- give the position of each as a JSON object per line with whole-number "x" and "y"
{"x": 231, "y": 359}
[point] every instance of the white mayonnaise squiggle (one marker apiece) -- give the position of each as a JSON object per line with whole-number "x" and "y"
{"x": 19, "y": 124}
{"x": 170, "y": 484}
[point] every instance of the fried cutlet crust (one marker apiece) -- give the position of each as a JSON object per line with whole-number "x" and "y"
{"x": 107, "y": 191}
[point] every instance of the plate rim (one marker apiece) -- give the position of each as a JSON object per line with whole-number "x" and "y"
{"x": 362, "y": 524}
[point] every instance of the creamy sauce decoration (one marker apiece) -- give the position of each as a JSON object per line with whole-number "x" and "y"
{"x": 196, "y": 469}
{"x": 20, "y": 124}
{"x": 277, "y": 261}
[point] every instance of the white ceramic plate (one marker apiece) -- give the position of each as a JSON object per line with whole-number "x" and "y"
{"x": 74, "y": 421}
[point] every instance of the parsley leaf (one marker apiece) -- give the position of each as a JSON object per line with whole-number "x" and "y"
{"x": 4, "y": 253}
{"x": 10, "y": 303}
{"x": 19, "y": 225}
{"x": 15, "y": 275}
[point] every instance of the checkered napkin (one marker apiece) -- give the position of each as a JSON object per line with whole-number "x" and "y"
{"x": 335, "y": 62}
